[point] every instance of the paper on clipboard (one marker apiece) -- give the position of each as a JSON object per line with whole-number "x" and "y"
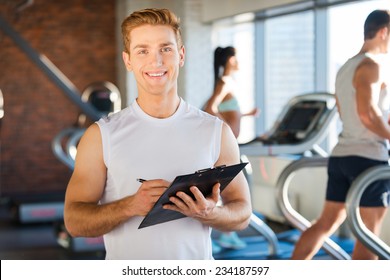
{"x": 204, "y": 179}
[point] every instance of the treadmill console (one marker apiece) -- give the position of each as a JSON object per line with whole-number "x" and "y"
{"x": 297, "y": 124}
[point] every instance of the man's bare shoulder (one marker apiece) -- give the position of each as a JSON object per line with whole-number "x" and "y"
{"x": 367, "y": 72}
{"x": 91, "y": 135}
{"x": 92, "y": 130}
{"x": 367, "y": 64}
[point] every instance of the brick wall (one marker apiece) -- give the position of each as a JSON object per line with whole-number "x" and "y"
{"x": 78, "y": 37}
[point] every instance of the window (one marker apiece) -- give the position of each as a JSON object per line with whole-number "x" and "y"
{"x": 288, "y": 61}
{"x": 346, "y": 32}
{"x": 292, "y": 50}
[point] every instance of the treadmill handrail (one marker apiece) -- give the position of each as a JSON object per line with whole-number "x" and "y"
{"x": 361, "y": 232}
{"x": 71, "y": 145}
{"x": 267, "y": 233}
{"x": 295, "y": 218}
{"x": 58, "y": 149}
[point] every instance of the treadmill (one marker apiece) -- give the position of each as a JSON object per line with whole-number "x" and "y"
{"x": 105, "y": 97}
{"x": 299, "y": 129}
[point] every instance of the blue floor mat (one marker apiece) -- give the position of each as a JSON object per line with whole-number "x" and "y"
{"x": 257, "y": 248}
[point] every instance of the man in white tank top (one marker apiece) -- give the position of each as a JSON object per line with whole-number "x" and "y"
{"x": 158, "y": 137}
{"x": 362, "y": 92}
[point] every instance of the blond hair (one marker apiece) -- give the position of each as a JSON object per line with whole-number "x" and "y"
{"x": 153, "y": 17}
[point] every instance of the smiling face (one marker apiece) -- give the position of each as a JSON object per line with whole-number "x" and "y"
{"x": 155, "y": 59}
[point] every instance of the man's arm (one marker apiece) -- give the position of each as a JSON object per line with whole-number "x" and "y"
{"x": 366, "y": 82}
{"x": 234, "y": 213}
{"x": 83, "y": 215}
{"x": 236, "y": 210}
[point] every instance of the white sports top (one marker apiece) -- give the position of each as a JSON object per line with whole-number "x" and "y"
{"x": 355, "y": 138}
{"x": 136, "y": 145}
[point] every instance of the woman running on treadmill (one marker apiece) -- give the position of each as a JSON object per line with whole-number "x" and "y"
{"x": 224, "y": 104}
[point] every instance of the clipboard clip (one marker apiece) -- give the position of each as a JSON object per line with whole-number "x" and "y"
{"x": 207, "y": 169}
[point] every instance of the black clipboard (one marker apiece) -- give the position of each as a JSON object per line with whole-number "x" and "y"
{"x": 204, "y": 179}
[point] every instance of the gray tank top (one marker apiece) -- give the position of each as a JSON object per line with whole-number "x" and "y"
{"x": 355, "y": 139}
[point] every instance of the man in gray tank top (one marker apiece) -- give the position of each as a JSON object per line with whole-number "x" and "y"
{"x": 363, "y": 101}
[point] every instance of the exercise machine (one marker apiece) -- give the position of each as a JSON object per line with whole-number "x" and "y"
{"x": 300, "y": 127}
{"x": 336, "y": 246}
{"x": 297, "y": 133}
{"x": 105, "y": 97}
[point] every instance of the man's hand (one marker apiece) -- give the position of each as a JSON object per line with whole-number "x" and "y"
{"x": 147, "y": 195}
{"x": 199, "y": 208}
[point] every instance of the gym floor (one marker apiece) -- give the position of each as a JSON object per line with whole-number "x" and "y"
{"x": 38, "y": 241}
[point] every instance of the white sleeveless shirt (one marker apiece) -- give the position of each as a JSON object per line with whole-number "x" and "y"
{"x": 136, "y": 145}
{"x": 355, "y": 138}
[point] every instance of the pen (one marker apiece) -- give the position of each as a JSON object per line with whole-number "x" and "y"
{"x": 141, "y": 180}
